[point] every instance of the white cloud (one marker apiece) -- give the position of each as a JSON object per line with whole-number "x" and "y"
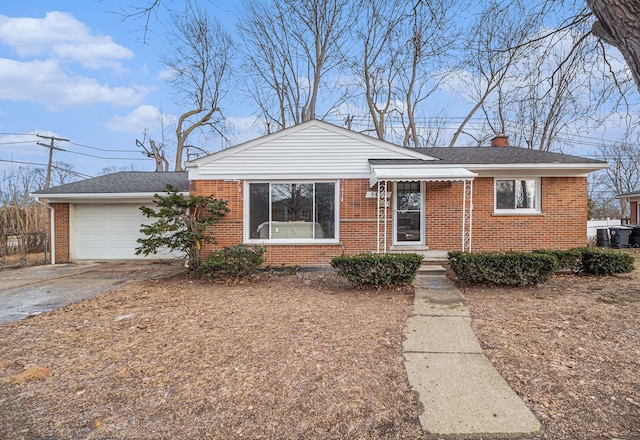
{"x": 166, "y": 74}
{"x": 144, "y": 117}
{"x": 245, "y": 128}
{"x": 459, "y": 83}
{"x": 24, "y": 146}
{"x": 61, "y": 35}
{"x": 46, "y": 83}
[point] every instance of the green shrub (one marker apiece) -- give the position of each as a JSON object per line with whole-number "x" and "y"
{"x": 598, "y": 261}
{"x": 378, "y": 269}
{"x": 233, "y": 262}
{"x": 504, "y": 269}
{"x": 567, "y": 259}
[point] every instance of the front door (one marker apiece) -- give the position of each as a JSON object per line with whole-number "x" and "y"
{"x": 409, "y": 213}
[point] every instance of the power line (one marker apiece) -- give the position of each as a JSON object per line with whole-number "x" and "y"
{"x": 104, "y": 149}
{"x": 14, "y": 143}
{"x": 51, "y": 147}
{"x": 17, "y": 134}
{"x": 85, "y": 176}
{"x": 104, "y": 158}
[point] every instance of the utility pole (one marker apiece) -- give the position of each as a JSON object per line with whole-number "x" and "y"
{"x": 51, "y": 147}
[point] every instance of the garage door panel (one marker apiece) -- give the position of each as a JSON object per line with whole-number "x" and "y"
{"x": 109, "y": 232}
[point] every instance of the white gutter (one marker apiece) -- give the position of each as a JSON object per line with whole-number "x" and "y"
{"x": 52, "y": 242}
{"x": 103, "y": 196}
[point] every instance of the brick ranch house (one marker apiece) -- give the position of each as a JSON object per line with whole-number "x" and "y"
{"x": 315, "y": 190}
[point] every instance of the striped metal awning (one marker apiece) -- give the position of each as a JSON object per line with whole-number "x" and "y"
{"x": 422, "y": 173}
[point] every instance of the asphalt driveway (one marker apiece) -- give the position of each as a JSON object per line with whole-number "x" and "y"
{"x": 30, "y": 291}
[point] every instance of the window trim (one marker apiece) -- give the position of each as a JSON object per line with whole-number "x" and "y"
{"x": 518, "y": 211}
{"x": 307, "y": 241}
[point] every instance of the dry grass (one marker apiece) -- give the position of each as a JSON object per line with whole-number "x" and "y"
{"x": 571, "y": 349}
{"x": 308, "y": 357}
{"x": 284, "y": 357}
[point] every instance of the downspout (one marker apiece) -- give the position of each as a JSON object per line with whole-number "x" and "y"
{"x": 53, "y": 229}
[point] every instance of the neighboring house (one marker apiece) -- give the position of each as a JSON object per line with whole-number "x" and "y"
{"x": 634, "y": 206}
{"x": 315, "y": 190}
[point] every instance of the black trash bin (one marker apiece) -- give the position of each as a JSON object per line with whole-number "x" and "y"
{"x": 620, "y": 236}
{"x": 602, "y": 237}
{"x": 634, "y": 238}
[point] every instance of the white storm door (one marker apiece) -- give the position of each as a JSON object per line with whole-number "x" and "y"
{"x": 408, "y": 214}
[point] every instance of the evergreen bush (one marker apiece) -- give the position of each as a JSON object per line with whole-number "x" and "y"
{"x": 503, "y": 269}
{"x": 598, "y": 261}
{"x": 567, "y": 259}
{"x": 233, "y": 262}
{"x": 378, "y": 269}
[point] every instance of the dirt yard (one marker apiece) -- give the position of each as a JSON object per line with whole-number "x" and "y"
{"x": 305, "y": 356}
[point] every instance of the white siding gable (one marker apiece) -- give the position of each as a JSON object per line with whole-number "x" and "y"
{"x": 312, "y": 150}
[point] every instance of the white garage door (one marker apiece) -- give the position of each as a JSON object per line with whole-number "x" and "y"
{"x": 108, "y": 232}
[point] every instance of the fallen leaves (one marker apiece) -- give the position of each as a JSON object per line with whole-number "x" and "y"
{"x": 31, "y": 373}
{"x": 570, "y": 349}
{"x": 281, "y": 357}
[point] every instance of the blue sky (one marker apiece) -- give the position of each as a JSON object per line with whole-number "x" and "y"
{"x": 75, "y": 70}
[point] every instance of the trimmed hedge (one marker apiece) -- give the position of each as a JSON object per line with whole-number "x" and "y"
{"x": 378, "y": 269}
{"x": 599, "y": 261}
{"x": 505, "y": 269}
{"x": 523, "y": 269}
{"x": 567, "y": 260}
{"x": 233, "y": 262}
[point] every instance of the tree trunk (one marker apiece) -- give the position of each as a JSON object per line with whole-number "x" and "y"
{"x": 619, "y": 24}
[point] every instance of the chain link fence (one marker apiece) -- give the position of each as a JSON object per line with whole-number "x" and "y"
{"x": 24, "y": 249}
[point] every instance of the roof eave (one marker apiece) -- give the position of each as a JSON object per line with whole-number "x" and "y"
{"x": 132, "y": 197}
{"x": 538, "y": 166}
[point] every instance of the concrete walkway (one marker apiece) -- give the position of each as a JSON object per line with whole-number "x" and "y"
{"x": 462, "y": 394}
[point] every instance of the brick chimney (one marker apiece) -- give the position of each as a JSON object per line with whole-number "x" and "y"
{"x": 501, "y": 140}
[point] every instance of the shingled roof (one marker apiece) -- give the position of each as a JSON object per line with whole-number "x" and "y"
{"x": 496, "y": 156}
{"x": 122, "y": 183}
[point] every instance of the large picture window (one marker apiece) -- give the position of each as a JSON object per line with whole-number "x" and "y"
{"x": 292, "y": 211}
{"x": 519, "y": 195}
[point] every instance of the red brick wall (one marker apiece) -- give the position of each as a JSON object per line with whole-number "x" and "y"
{"x": 634, "y": 212}
{"x": 61, "y": 231}
{"x": 561, "y": 225}
{"x": 357, "y": 224}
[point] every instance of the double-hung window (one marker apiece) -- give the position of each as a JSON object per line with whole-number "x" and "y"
{"x": 292, "y": 211}
{"x": 517, "y": 195}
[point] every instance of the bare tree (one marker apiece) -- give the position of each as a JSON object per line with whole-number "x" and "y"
{"x": 292, "y": 46}
{"x": 378, "y": 32}
{"x": 546, "y": 93}
{"x": 18, "y": 212}
{"x": 619, "y": 25}
{"x": 623, "y": 174}
{"x": 496, "y": 44}
{"x": 199, "y": 67}
{"x": 116, "y": 169}
{"x": 432, "y": 38}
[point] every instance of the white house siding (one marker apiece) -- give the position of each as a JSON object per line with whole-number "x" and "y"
{"x": 312, "y": 150}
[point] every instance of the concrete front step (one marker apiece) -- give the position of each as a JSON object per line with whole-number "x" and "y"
{"x": 427, "y": 255}
{"x": 432, "y": 270}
